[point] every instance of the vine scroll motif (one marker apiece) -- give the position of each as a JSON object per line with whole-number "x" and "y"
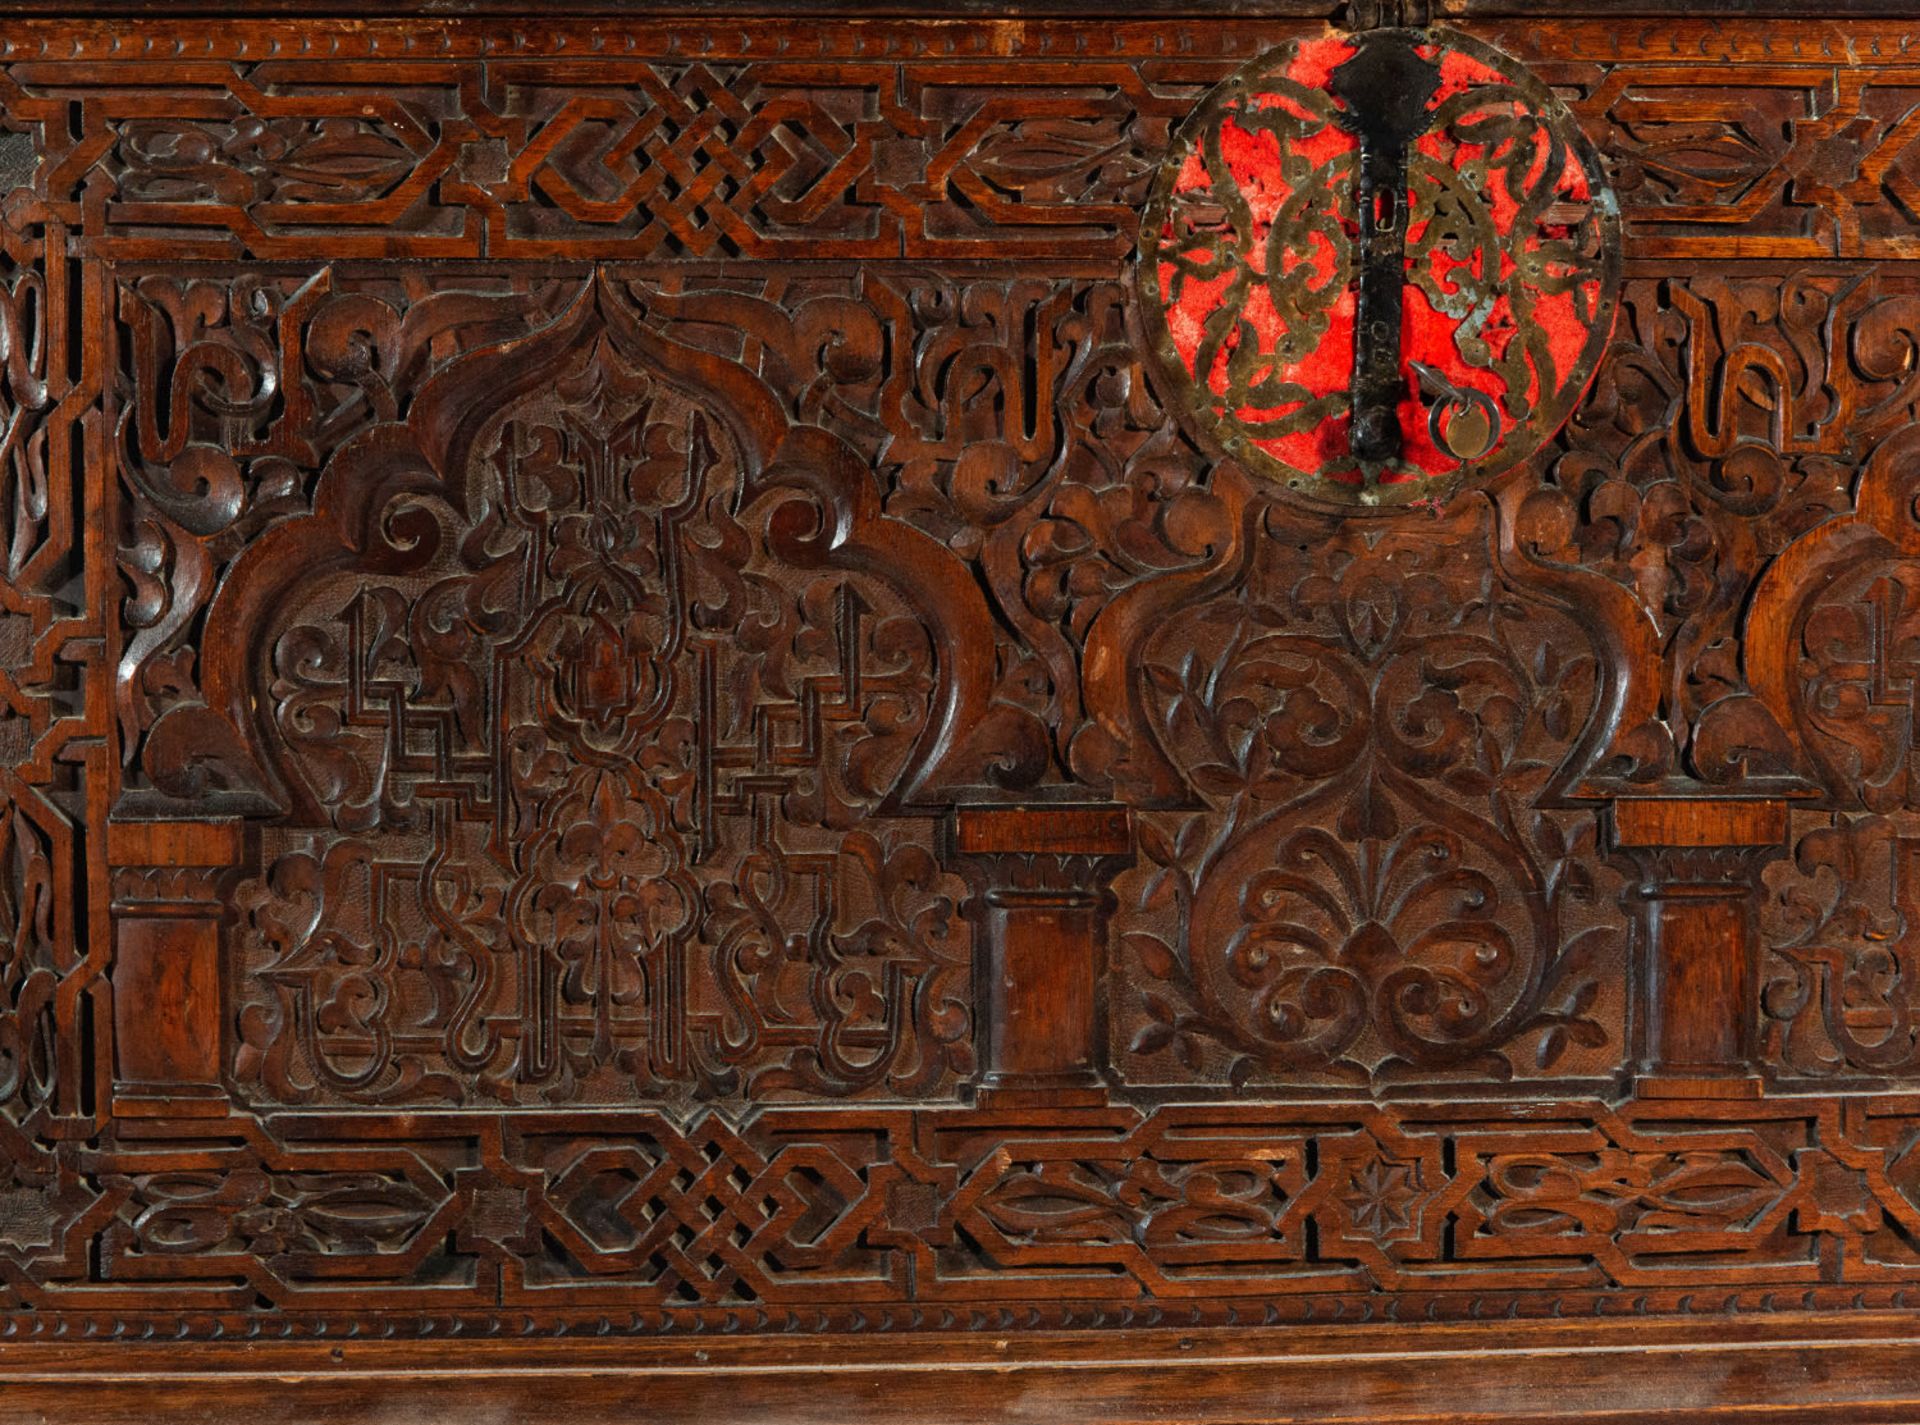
{"x": 1371, "y": 890}
{"x": 1049, "y": 488}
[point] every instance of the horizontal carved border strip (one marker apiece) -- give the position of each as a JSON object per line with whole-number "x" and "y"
{"x": 860, "y": 141}
{"x": 823, "y": 1220}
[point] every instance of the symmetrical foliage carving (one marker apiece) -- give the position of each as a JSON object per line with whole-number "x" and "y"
{"x": 1372, "y": 889}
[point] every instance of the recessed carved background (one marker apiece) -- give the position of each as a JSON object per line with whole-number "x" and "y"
{"x": 527, "y": 538}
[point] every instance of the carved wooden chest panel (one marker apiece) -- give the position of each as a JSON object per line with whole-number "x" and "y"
{"x": 951, "y": 679}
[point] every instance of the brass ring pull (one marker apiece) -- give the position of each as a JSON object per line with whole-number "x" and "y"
{"x": 1465, "y": 411}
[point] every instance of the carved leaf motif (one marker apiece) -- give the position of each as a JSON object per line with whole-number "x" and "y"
{"x": 1057, "y": 1203}
{"x": 357, "y": 1212}
{"x": 1361, "y": 897}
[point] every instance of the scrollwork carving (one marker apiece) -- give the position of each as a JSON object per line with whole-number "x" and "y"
{"x": 592, "y": 754}
{"x": 527, "y": 546}
{"x": 1370, "y": 888}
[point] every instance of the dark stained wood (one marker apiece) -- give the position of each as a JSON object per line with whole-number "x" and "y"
{"x": 1641, "y": 1374}
{"x": 654, "y": 767}
{"x": 166, "y": 980}
{"x": 1042, "y": 918}
{"x": 1247, "y": 1377}
{"x": 1696, "y": 864}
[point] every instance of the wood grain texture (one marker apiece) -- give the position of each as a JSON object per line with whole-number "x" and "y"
{"x": 1642, "y": 1375}
{"x": 650, "y": 769}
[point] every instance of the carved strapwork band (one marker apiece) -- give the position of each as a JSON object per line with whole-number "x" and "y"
{"x": 1040, "y": 878}
{"x": 167, "y": 908}
{"x": 1694, "y": 865}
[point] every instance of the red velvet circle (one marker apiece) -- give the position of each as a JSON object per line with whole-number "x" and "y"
{"x": 1257, "y": 168}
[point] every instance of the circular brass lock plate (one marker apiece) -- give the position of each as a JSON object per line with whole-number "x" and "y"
{"x": 1380, "y": 267}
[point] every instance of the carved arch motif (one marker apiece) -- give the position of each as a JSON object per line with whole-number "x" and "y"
{"x": 531, "y": 646}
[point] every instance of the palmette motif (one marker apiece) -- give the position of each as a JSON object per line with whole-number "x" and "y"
{"x": 1372, "y": 890}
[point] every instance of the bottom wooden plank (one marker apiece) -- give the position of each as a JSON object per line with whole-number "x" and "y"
{"x": 1864, "y": 1370}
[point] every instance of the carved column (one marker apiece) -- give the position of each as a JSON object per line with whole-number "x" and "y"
{"x": 167, "y": 1021}
{"x": 1693, "y": 872}
{"x": 1041, "y": 880}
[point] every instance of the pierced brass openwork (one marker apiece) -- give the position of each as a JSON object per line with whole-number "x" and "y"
{"x": 1380, "y": 267}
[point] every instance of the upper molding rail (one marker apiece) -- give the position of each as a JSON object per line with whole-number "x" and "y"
{"x": 941, "y": 10}
{"x": 1592, "y": 31}
{"x": 946, "y": 9}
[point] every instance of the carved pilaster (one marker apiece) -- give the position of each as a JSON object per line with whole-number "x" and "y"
{"x": 1041, "y": 880}
{"x": 167, "y": 906}
{"x": 1693, "y": 869}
